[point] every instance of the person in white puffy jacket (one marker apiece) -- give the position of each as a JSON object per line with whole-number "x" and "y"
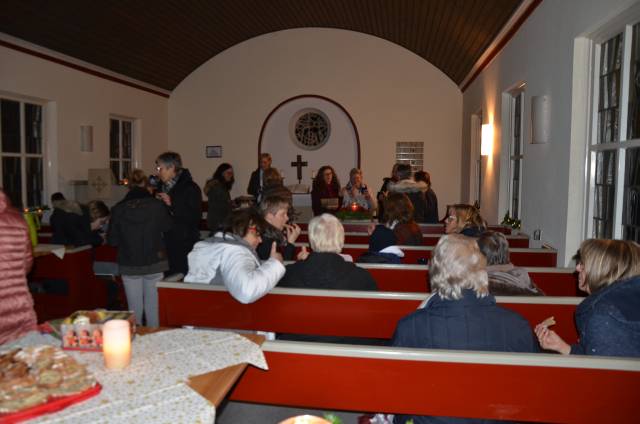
{"x": 229, "y": 258}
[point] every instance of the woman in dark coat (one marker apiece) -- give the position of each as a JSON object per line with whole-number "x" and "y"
{"x": 431, "y": 200}
{"x": 325, "y": 195}
{"x": 608, "y": 320}
{"x": 218, "y": 190}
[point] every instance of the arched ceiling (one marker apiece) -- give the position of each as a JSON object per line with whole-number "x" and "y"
{"x": 160, "y": 42}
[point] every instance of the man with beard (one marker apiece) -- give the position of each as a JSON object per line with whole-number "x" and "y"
{"x": 218, "y": 190}
{"x": 183, "y": 198}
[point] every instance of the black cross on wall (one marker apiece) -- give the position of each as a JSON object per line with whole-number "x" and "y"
{"x": 299, "y": 164}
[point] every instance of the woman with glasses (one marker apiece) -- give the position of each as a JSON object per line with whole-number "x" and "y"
{"x": 230, "y": 258}
{"x": 464, "y": 219}
{"x": 325, "y": 194}
{"x": 608, "y": 320}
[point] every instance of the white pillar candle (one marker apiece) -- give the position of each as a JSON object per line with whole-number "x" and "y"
{"x": 116, "y": 344}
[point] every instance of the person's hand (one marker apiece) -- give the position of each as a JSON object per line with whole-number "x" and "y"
{"x": 292, "y": 231}
{"x": 371, "y": 228}
{"x": 550, "y": 340}
{"x": 303, "y": 254}
{"x": 274, "y": 253}
{"x": 165, "y": 198}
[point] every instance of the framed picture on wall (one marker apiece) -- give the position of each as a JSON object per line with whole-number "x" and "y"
{"x": 214, "y": 151}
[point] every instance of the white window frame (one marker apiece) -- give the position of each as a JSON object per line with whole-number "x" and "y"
{"x": 120, "y": 159}
{"x": 475, "y": 159}
{"x": 512, "y": 157}
{"x": 621, "y": 144}
{"x": 23, "y": 155}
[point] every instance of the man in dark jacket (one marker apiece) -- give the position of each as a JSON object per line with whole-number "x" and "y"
{"x": 184, "y": 199}
{"x": 71, "y": 223}
{"x": 256, "y": 181}
{"x": 415, "y": 190}
{"x": 461, "y": 314}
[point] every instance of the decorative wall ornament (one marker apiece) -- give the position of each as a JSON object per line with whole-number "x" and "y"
{"x": 310, "y": 129}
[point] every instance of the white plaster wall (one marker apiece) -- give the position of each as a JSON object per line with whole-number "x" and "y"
{"x": 391, "y": 94}
{"x": 73, "y": 98}
{"x": 540, "y": 54}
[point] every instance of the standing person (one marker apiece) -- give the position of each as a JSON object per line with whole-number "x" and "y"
{"x": 356, "y": 191}
{"x": 218, "y": 190}
{"x": 384, "y": 190}
{"x": 275, "y": 211}
{"x": 413, "y": 189}
{"x": 256, "y": 182}
{"x": 325, "y": 194}
{"x": 16, "y": 303}
{"x": 431, "y": 200}
{"x": 183, "y": 198}
{"x": 71, "y": 223}
{"x": 273, "y": 186}
{"x": 608, "y": 320}
{"x": 136, "y": 228}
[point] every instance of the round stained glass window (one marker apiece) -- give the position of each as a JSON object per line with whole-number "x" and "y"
{"x": 311, "y": 129}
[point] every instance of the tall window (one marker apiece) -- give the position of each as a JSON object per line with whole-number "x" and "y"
{"x": 21, "y": 153}
{"x": 120, "y": 148}
{"x": 614, "y": 152}
{"x": 516, "y": 154}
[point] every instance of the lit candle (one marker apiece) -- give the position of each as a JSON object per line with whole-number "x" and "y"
{"x": 354, "y": 206}
{"x": 116, "y": 344}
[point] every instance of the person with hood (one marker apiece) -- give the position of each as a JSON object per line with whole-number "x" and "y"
{"x": 16, "y": 303}
{"x": 71, "y": 223}
{"x": 229, "y": 258}
{"x": 184, "y": 199}
{"x": 218, "y": 190}
{"x": 415, "y": 190}
{"x": 136, "y": 228}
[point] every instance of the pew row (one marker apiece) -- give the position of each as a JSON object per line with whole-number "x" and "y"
{"x": 362, "y": 226}
{"x": 328, "y": 312}
{"x": 505, "y": 386}
{"x": 521, "y": 241}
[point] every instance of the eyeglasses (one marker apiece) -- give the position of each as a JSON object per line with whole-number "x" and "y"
{"x": 254, "y": 229}
{"x": 450, "y": 218}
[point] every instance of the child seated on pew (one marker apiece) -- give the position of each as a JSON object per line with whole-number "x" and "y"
{"x": 461, "y": 314}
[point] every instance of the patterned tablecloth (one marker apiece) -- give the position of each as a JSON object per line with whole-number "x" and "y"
{"x": 153, "y": 389}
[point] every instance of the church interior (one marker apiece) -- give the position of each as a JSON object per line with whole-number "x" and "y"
{"x": 529, "y": 109}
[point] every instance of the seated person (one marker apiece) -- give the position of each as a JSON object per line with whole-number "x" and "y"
{"x": 464, "y": 219}
{"x": 325, "y": 194}
{"x": 324, "y": 267}
{"x": 71, "y": 223}
{"x": 356, "y": 191}
{"x": 399, "y": 218}
{"x": 275, "y": 211}
{"x": 505, "y": 279}
{"x": 229, "y": 258}
{"x": 383, "y": 247}
{"x": 608, "y": 320}
{"x": 461, "y": 314}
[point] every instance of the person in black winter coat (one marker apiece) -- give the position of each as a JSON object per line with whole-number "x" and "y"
{"x": 137, "y": 224}
{"x": 461, "y": 314}
{"x": 218, "y": 190}
{"x": 71, "y": 223}
{"x": 415, "y": 190}
{"x": 431, "y": 200}
{"x": 325, "y": 268}
{"x": 275, "y": 211}
{"x": 184, "y": 199}
{"x": 256, "y": 182}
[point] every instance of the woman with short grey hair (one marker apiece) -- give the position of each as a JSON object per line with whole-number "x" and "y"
{"x": 461, "y": 314}
{"x": 505, "y": 279}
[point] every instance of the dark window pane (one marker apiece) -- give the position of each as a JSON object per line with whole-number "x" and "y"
{"x": 515, "y": 188}
{"x": 631, "y": 208}
{"x": 34, "y": 182}
{"x": 604, "y": 194}
{"x": 126, "y": 168}
{"x": 10, "y": 112}
{"x": 633, "y": 117}
{"x": 114, "y": 139}
{"x": 609, "y": 89}
{"x": 115, "y": 169}
{"x": 33, "y": 128}
{"x": 12, "y": 181}
{"x": 126, "y": 139}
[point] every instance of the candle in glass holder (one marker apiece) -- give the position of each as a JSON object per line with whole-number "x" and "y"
{"x": 116, "y": 344}
{"x": 354, "y": 206}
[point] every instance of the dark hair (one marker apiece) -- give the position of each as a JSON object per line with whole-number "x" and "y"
{"x": 170, "y": 159}
{"x": 318, "y": 181}
{"x": 218, "y": 177}
{"x": 398, "y": 207}
{"x": 57, "y": 196}
{"x": 271, "y": 177}
{"x": 239, "y": 221}
{"x": 423, "y": 176}
{"x": 97, "y": 209}
{"x": 403, "y": 171}
{"x": 495, "y": 247}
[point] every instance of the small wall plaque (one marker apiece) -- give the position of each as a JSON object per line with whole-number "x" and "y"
{"x": 214, "y": 151}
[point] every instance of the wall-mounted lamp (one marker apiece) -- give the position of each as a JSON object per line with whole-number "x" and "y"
{"x": 86, "y": 138}
{"x": 486, "y": 146}
{"x": 540, "y": 119}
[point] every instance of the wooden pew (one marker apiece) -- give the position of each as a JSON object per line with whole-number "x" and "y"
{"x": 361, "y": 227}
{"x": 427, "y": 239}
{"x": 84, "y": 289}
{"x": 328, "y": 312}
{"x": 415, "y": 279}
{"x": 506, "y": 386}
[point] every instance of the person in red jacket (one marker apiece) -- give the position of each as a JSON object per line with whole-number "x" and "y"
{"x": 16, "y": 304}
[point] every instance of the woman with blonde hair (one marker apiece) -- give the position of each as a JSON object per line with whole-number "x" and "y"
{"x": 464, "y": 219}
{"x": 608, "y": 320}
{"x": 356, "y": 191}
